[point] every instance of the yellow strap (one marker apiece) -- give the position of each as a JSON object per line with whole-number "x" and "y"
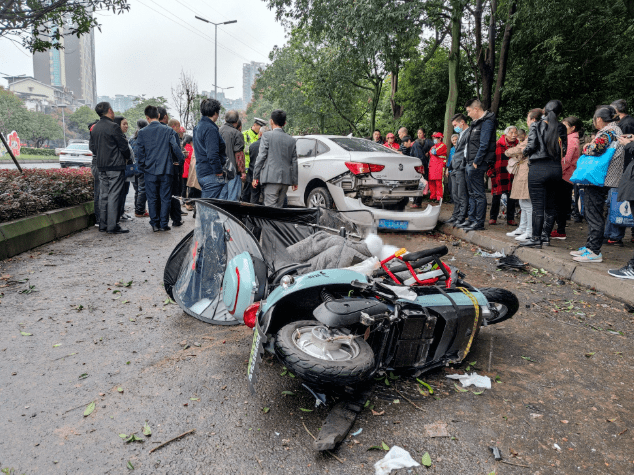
{"x": 476, "y": 306}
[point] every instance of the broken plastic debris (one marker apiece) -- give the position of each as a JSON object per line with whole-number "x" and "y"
{"x": 439, "y": 429}
{"x": 556, "y": 447}
{"x": 354, "y": 434}
{"x": 496, "y": 453}
{"x": 473, "y": 378}
{"x": 396, "y": 458}
{"x": 495, "y": 255}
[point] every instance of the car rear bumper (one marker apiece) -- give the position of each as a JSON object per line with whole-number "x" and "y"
{"x": 72, "y": 163}
{"x": 425, "y": 220}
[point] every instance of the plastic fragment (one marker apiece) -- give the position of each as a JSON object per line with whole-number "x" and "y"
{"x": 496, "y": 453}
{"x": 396, "y": 458}
{"x": 472, "y": 379}
{"x": 495, "y": 255}
{"x": 354, "y": 434}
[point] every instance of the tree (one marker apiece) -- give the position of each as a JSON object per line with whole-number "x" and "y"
{"x": 36, "y": 23}
{"x": 79, "y": 121}
{"x": 13, "y": 114}
{"x": 41, "y": 128}
{"x": 138, "y": 111}
{"x": 185, "y": 97}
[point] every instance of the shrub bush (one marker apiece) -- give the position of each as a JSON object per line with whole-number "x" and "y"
{"x": 38, "y": 190}
{"x": 46, "y": 152}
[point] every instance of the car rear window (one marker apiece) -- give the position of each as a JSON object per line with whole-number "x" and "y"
{"x": 350, "y": 144}
{"x": 77, "y": 146}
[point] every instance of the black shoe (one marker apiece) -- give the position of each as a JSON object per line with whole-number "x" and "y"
{"x": 451, "y": 221}
{"x": 180, "y": 223}
{"x": 166, "y": 228}
{"x": 474, "y": 227}
{"x": 119, "y": 230}
{"x": 532, "y": 242}
{"x": 613, "y": 242}
{"x": 465, "y": 224}
{"x": 156, "y": 229}
{"x": 102, "y": 230}
{"x": 545, "y": 240}
{"x": 578, "y": 219}
{"x": 183, "y": 213}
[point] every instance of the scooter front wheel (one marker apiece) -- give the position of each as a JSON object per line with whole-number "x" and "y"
{"x": 323, "y": 356}
{"x": 505, "y": 302}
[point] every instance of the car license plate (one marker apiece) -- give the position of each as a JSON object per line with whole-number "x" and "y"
{"x": 391, "y": 224}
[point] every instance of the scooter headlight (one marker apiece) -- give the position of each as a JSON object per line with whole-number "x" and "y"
{"x": 287, "y": 281}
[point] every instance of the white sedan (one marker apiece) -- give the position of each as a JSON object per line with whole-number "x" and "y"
{"x": 77, "y": 154}
{"x": 356, "y": 174}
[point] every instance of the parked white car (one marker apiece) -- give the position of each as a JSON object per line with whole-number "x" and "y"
{"x": 356, "y": 174}
{"x": 77, "y": 154}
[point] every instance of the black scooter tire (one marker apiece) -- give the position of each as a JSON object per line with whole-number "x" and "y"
{"x": 504, "y": 298}
{"x": 322, "y": 373}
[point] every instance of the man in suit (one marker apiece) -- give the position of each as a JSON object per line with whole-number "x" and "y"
{"x": 157, "y": 149}
{"x": 254, "y": 150}
{"x": 110, "y": 147}
{"x": 276, "y": 167}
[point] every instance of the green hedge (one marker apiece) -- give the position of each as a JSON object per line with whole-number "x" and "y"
{"x": 47, "y": 152}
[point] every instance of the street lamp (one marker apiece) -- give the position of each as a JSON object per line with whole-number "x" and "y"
{"x": 223, "y": 88}
{"x": 216, "y": 54}
{"x": 63, "y": 106}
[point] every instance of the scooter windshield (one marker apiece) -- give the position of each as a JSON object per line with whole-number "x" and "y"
{"x": 218, "y": 237}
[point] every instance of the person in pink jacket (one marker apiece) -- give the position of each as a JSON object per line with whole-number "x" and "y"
{"x": 568, "y": 165}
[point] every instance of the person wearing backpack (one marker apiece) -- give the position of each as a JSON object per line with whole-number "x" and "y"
{"x": 480, "y": 155}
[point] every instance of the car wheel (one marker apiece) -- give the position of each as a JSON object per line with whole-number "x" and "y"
{"x": 62, "y": 165}
{"x": 319, "y": 198}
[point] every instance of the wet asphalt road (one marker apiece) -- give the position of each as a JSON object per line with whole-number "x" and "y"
{"x": 88, "y": 340}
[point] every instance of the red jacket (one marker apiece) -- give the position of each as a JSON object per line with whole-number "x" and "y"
{"x": 394, "y": 145}
{"x": 437, "y": 160}
{"x": 573, "y": 151}
{"x": 190, "y": 150}
{"x": 501, "y": 179}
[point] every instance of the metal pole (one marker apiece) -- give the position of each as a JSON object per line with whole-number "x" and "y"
{"x": 4, "y": 141}
{"x": 64, "y": 125}
{"x": 216, "y": 66}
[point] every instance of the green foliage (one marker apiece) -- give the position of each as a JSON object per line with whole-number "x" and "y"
{"x": 137, "y": 112}
{"x": 44, "y": 152}
{"x": 13, "y": 114}
{"x": 79, "y": 121}
{"x": 34, "y": 22}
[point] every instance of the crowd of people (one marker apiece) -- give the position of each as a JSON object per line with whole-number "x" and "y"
{"x": 551, "y": 171}
{"x": 168, "y": 168}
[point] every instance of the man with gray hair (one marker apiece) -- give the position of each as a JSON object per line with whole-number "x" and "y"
{"x": 235, "y": 166}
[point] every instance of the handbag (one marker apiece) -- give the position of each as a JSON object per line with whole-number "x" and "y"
{"x": 130, "y": 170}
{"x": 592, "y": 170}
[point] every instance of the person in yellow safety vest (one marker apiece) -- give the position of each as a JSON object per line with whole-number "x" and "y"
{"x": 250, "y": 136}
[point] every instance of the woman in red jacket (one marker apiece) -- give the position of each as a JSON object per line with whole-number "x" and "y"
{"x": 189, "y": 150}
{"x": 568, "y": 167}
{"x": 391, "y": 141}
{"x": 501, "y": 179}
{"x": 437, "y": 161}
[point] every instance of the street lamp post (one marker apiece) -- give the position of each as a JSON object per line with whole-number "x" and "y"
{"x": 223, "y": 88}
{"x": 216, "y": 54}
{"x": 63, "y": 106}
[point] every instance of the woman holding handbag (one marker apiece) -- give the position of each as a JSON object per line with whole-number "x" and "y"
{"x": 599, "y": 169}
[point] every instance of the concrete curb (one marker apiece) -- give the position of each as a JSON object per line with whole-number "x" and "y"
{"x": 618, "y": 289}
{"x": 27, "y": 233}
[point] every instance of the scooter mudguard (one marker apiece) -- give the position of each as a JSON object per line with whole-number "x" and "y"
{"x": 239, "y": 285}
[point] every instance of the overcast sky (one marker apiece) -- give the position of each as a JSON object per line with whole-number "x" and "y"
{"x": 144, "y": 50}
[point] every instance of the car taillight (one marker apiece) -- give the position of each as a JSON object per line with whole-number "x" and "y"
{"x": 250, "y": 314}
{"x": 363, "y": 168}
{"x": 420, "y": 169}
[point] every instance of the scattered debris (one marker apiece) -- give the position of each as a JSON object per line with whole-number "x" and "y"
{"x": 438, "y": 429}
{"x": 472, "y": 379}
{"x": 496, "y": 453}
{"x": 495, "y": 255}
{"x": 511, "y": 262}
{"x": 172, "y": 440}
{"x": 354, "y": 434}
{"x": 396, "y": 458}
{"x": 556, "y": 447}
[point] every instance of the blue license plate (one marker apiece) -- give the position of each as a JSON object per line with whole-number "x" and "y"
{"x": 391, "y": 224}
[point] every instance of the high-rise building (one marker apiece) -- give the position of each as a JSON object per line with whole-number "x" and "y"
{"x": 119, "y": 102}
{"x": 249, "y": 73}
{"x": 72, "y": 67}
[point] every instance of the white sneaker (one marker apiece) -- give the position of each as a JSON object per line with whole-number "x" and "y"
{"x": 517, "y": 232}
{"x": 578, "y": 252}
{"x": 523, "y": 237}
{"x": 589, "y": 256}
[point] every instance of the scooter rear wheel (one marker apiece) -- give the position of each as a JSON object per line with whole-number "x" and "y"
{"x": 301, "y": 347}
{"x": 505, "y": 302}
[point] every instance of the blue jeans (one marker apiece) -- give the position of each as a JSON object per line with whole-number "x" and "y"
{"x": 232, "y": 190}
{"x": 157, "y": 190}
{"x": 612, "y": 231}
{"x": 477, "y": 197}
{"x": 212, "y": 186}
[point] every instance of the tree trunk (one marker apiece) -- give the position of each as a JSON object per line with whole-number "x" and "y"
{"x": 629, "y": 4}
{"x": 378, "y": 86}
{"x": 486, "y": 58}
{"x": 397, "y": 110}
{"x": 457, "y": 7}
{"x": 504, "y": 56}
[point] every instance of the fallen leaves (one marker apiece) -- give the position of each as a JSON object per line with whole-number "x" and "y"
{"x": 26, "y": 334}
{"x": 89, "y": 409}
{"x": 147, "y": 430}
{"x": 375, "y": 413}
{"x": 426, "y": 460}
{"x": 266, "y": 410}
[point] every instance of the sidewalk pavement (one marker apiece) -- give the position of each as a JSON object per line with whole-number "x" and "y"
{"x": 556, "y": 258}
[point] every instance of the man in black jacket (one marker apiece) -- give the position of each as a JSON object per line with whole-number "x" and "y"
{"x": 456, "y": 168}
{"x": 175, "y": 187}
{"x": 111, "y": 148}
{"x": 479, "y": 154}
